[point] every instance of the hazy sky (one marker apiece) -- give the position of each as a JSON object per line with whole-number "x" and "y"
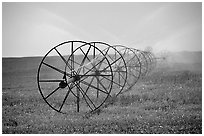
{"x": 32, "y": 29}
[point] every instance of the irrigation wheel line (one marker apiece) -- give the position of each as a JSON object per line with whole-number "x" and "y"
{"x": 81, "y": 76}
{"x": 62, "y": 84}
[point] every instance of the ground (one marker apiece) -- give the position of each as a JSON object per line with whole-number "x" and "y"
{"x": 166, "y": 101}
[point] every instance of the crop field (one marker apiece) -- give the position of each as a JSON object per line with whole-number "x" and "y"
{"x": 167, "y": 101}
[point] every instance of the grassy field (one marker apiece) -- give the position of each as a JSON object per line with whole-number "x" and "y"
{"x": 166, "y": 101}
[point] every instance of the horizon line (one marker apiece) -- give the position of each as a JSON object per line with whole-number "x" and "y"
{"x": 40, "y": 56}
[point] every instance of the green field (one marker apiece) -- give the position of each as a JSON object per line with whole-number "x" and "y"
{"x": 168, "y": 101}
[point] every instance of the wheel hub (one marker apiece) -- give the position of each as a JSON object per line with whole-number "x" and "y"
{"x": 76, "y": 78}
{"x": 63, "y": 84}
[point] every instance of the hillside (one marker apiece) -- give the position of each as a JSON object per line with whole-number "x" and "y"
{"x": 30, "y": 64}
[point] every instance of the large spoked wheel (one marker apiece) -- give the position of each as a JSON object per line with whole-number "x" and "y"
{"x": 143, "y": 61}
{"x": 153, "y": 58}
{"x": 67, "y": 77}
{"x": 118, "y": 65}
{"x": 93, "y": 76}
{"x": 133, "y": 66}
{"x": 151, "y": 61}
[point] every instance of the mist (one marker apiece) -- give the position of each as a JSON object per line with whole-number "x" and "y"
{"x": 177, "y": 61}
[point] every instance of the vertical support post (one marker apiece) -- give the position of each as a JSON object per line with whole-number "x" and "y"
{"x": 83, "y": 70}
{"x": 94, "y": 55}
{"x": 94, "y": 52}
{"x": 119, "y": 74}
{"x": 71, "y": 61}
{"x": 78, "y": 97}
{"x": 72, "y": 74}
{"x": 97, "y": 87}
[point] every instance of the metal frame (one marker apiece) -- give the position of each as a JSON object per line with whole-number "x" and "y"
{"x": 91, "y": 73}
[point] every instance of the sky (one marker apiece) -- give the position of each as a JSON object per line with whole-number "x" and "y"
{"x": 32, "y": 29}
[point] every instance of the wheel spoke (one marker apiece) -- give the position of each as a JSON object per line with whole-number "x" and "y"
{"x": 113, "y": 82}
{"x": 93, "y": 87}
{"x": 51, "y": 80}
{"x": 112, "y": 63}
{"x": 64, "y": 99}
{"x": 135, "y": 76}
{"x": 62, "y": 58}
{"x": 84, "y": 94}
{"x": 86, "y": 54}
{"x": 130, "y": 59}
{"x": 114, "y": 76}
{"x": 52, "y": 92}
{"x": 107, "y": 51}
{"x": 105, "y": 56}
{"x": 89, "y": 86}
{"x": 100, "y": 84}
{"x": 85, "y": 57}
{"x": 128, "y": 84}
{"x": 123, "y": 77}
{"x": 94, "y": 67}
{"x": 78, "y": 67}
{"x": 71, "y": 87}
{"x": 60, "y": 71}
{"x": 93, "y": 75}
